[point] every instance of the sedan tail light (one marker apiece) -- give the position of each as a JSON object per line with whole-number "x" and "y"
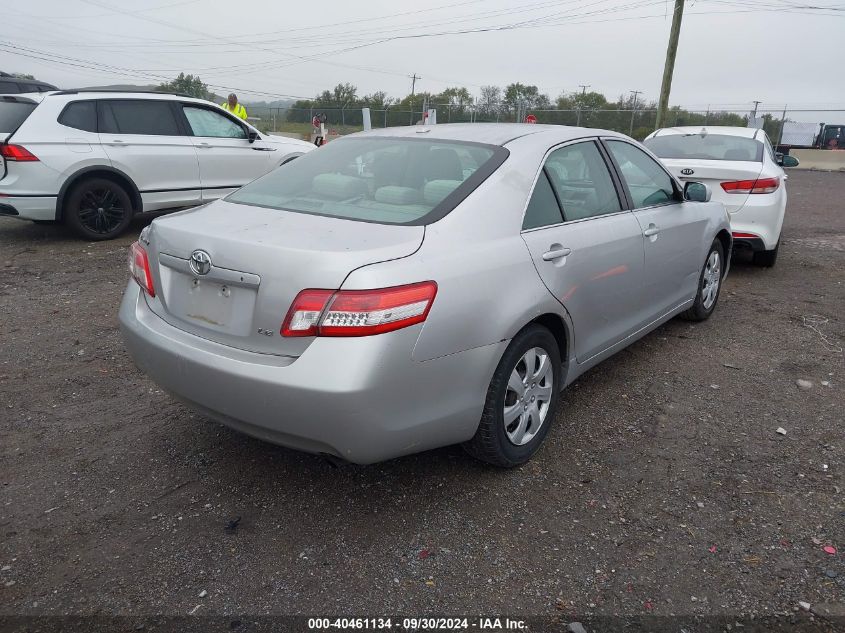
{"x": 17, "y": 153}
{"x": 139, "y": 268}
{"x": 317, "y": 312}
{"x": 760, "y": 185}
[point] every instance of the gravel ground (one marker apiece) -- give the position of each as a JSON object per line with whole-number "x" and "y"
{"x": 663, "y": 487}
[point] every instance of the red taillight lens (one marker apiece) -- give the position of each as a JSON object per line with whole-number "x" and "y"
{"x": 304, "y": 314}
{"x": 358, "y": 312}
{"x": 17, "y": 153}
{"x": 746, "y": 236}
{"x": 139, "y": 268}
{"x": 761, "y": 185}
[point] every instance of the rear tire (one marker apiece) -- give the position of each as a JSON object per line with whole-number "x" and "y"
{"x": 98, "y": 209}
{"x": 521, "y": 400}
{"x": 709, "y": 284}
{"x": 766, "y": 259}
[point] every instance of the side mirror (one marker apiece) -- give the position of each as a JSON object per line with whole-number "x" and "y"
{"x": 697, "y": 192}
{"x": 252, "y": 135}
{"x": 788, "y": 161}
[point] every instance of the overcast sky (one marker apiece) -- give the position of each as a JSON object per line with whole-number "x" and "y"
{"x": 731, "y": 51}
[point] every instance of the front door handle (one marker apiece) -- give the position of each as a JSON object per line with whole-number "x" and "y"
{"x": 651, "y": 231}
{"x": 204, "y": 145}
{"x": 556, "y": 253}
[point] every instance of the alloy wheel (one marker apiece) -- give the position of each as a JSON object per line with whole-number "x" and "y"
{"x": 528, "y": 396}
{"x": 712, "y": 279}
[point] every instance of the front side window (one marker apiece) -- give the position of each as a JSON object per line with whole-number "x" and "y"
{"x": 138, "y": 116}
{"x": 81, "y": 115}
{"x": 385, "y": 180}
{"x": 582, "y": 182}
{"x": 205, "y": 122}
{"x": 648, "y": 182}
{"x": 706, "y": 147}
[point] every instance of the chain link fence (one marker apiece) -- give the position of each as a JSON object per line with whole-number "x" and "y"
{"x": 636, "y": 122}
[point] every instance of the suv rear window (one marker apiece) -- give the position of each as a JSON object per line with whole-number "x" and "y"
{"x": 137, "y": 116}
{"x": 384, "y": 180}
{"x": 13, "y": 113}
{"x": 81, "y": 115}
{"x": 706, "y": 147}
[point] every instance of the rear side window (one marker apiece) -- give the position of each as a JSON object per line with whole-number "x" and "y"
{"x": 384, "y": 180}
{"x": 13, "y": 113}
{"x": 81, "y": 115}
{"x": 648, "y": 182}
{"x": 543, "y": 209}
{"x": 706, "y": 147}
{"x": 136, "y": 116}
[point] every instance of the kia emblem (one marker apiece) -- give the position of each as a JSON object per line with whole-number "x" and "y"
{"x": 686, "y": 171}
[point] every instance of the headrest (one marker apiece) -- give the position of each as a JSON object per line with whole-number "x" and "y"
{"x": 436, "y": 190}
{"x": 338, "y": 186}
{"x": 393, "y": 194}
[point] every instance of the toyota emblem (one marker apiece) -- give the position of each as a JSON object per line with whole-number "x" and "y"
{"x": 686, "y": 171}
{"x": 200, "y": 262}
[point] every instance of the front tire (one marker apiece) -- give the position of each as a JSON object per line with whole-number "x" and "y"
{"x": 521, "y": 400}
{"x": 98, "y": 209}
{"x": 766, "y": 259}
{"x": 709, "y": 285}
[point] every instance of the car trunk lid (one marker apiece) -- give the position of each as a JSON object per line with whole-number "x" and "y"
{"x": 250, "y": 262}
{"x": 713, "y": 173}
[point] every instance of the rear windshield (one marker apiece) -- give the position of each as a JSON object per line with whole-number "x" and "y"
{"x": 383, "y": 180}
{"x": 706, "y": 147}
{"x": 13, "y": 113}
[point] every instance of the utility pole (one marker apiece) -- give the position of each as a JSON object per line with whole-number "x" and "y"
{"x": 669, "y": 68}
{"x": 414, "y": 78}
{"x": 583, "y": 92}
{"x": 633, "y": 110}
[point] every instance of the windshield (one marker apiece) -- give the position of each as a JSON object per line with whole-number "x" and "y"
{"x": 707, "y": 147}
{"x": 13, "y": 113}
{"x": 384, "y": 180}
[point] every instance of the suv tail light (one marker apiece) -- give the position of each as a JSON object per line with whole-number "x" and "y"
{"x": 317, "y": 312}
{"x": 17, "y": 153}
{"x": 761, "y": 185}
{"x": 139, "y": 268}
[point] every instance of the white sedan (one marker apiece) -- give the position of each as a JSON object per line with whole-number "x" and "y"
{"x": 744, "y": 173}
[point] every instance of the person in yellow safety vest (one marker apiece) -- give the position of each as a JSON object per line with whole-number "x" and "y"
{"x": 234, "y": 107}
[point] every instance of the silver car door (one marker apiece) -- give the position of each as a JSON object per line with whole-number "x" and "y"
{"x": 586, "y": 247}
{"x": 671, "y": 229}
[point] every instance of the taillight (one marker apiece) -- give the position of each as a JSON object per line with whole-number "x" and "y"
{"x": 358, "y": 312}
{"x": 761, "y": 185}
{"x": 744, "y": 236}
{"x": 139, "y": 268}
{"x": 17, "y": 153}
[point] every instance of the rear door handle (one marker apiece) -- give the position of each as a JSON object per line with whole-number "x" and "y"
{"x": 651, "y": 231}
{"x": 204, "y": 145}
{"x": 556, "y": 253}
{"x": 117, "y": 142}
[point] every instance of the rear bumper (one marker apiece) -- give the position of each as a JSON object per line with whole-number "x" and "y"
{"x": 28, "y": 207}
{"x": 362, "y": 399}
{"x": 761, "y": 217}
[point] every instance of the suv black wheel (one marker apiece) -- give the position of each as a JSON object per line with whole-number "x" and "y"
{"x": 98, "y": 209}
{"x": 521, "y": 400}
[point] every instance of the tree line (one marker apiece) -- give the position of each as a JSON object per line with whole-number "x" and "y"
{"x": 342, "y": 106}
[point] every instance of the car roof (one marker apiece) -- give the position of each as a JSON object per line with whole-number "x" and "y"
{"x": 727, "y": 130}
{"x": 487, "y": 133}
{"x": 117, "y": 94}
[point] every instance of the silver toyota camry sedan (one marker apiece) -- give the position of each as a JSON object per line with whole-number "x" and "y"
{"x": 408, "y": 288}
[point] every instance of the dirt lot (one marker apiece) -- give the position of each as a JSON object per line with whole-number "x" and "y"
{"x": 663, "y": 488}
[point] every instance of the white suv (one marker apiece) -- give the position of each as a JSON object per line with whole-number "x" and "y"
{"x": 94, "y": 159}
